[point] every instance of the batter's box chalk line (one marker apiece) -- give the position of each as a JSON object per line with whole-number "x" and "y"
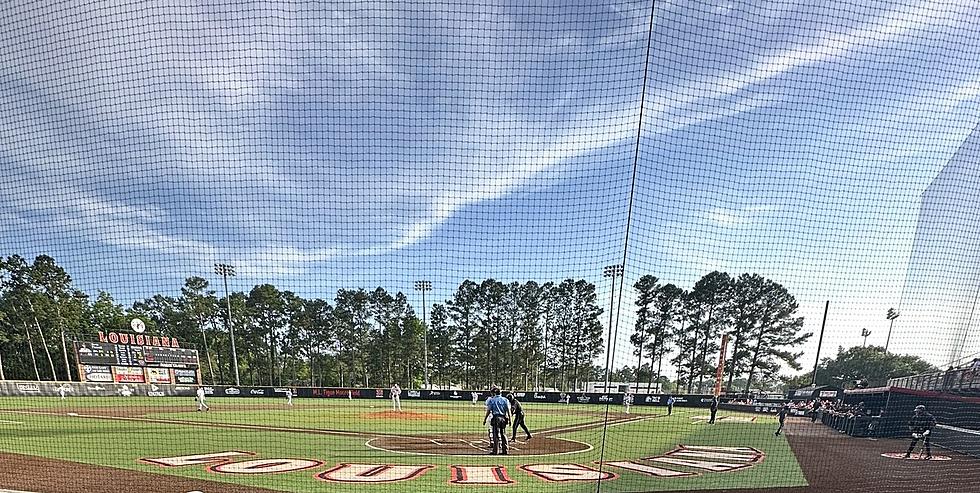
{"x": 915, "y": 456}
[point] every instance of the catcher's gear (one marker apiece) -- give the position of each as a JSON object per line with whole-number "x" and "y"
{"x": 916, "y": 436}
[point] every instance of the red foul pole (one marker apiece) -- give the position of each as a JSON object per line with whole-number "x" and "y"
{"x": 720, "y": 373}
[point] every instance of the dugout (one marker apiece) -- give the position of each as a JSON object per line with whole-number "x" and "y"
{"x": 958, "y": 416}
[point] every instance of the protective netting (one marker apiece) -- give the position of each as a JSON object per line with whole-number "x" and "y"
{"x": 589, "y": 204}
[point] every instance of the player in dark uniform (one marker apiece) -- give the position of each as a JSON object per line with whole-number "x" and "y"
{"x": 921, "y": 426}
{"x": 782, "y": 419}
{"x": 714, "y": 409}
{"x": 498, "y": 411}
{"x": 518, "y": 413}
{"x": 670, "y": 405}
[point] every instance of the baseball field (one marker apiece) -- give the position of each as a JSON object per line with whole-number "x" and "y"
{"x": 163, "y": 445}
{"x": 318, "y": 445}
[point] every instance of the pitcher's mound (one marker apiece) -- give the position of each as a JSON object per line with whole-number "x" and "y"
{"x": 402, "y": 415}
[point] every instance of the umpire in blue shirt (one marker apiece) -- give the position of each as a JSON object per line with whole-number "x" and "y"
{"x": 498, "y": 410}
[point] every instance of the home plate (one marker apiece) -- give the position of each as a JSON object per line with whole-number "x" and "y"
{"x": 916, "y": 457}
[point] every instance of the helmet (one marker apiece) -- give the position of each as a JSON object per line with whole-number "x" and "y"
{"x": 920, "y": 408}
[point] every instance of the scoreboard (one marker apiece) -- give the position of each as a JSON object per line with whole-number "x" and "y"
{"x": 126, "y": 363}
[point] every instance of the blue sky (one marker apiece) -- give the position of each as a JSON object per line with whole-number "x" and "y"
{"x": 324, "y": 145}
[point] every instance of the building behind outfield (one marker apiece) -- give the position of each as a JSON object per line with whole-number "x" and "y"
{"x": 940, "y": 297}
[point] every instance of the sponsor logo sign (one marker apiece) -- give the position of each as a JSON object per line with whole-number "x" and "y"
{"x": 520, "y": 395}
{"x": 414, "y": 393}
{"x": 435, "y": 393}
{"x": 158, "y": 375}
{"x": 232, "y": 391}
{"x": 208, "y": 390}
{"x": 125, "y": 374}
{"x": 652, "y": 400}
{"x": 455, "y": 395}
{"x": 828, "y": 393}
{"x": 28, "y": 387}
{"x": 540, "y": 397}
{"x": 95, "y": 388}
{"x": 605, "y": 398}
{"x": 379, "y": 393}
{"x": 583, "y": 399}
{"x": 257, "y": 391}
{"x": 280, "y": 390}
{"x": 125, "y": 391}
{"x": 96, "y": 373}
{"x": 185, "y": 376}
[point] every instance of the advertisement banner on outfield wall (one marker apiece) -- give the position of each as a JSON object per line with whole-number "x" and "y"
{"x": 92, "y": 389}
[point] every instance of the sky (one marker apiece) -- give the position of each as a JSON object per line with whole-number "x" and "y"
{"x": 326, "y": 145}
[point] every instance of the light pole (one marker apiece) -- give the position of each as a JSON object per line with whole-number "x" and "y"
{"x": 611, "y": 271}
{"x": 226, "y": 271}
{"x": 424, "y": 286}
{"x": 891, "y": 316}
{"x": 865, "y": 333}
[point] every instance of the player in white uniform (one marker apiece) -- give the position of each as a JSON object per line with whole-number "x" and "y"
{"x": 476, "y": 397}
{"x": 63, "y": 390}
{"x": 289, "y": 397}
{"x": 396, "y": 397}
{"x": 202, "y": 404}
{"x": 627, "y": 402}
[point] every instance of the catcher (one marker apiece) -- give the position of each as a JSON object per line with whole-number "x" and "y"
{"x": 921, "y": 426}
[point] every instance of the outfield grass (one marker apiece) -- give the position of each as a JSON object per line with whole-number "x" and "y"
{"x": 121, "y": 443}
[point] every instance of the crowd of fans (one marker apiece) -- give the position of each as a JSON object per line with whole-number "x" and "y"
{"x": 853, "y": 419}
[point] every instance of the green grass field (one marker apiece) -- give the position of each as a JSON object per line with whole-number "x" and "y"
{"x": 118, "y": 432}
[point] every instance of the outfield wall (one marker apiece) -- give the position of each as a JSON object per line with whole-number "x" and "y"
{"x": 9, "y": 388}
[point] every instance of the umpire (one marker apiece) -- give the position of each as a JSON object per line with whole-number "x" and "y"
{"x": 921, "y": 426}
{"x": 498, "y": 410}
{"x": 518, "y": 412}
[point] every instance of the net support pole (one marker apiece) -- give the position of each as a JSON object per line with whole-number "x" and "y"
{"x": 720, "y": 371}
{"x": 813, "y": 379}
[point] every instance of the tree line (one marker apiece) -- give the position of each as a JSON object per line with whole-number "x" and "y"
{"x": 519, "y": 334}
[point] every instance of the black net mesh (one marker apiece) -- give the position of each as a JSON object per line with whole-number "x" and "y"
{"x": 292, "y": 246}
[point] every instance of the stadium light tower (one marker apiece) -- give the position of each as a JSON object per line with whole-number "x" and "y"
{"x": 226, "y": 271}
{"x": 611, "y": 271}
{"x": 891, "y": 316}
{"x": 865, "y": 333}
{"x": 424, "y": 286}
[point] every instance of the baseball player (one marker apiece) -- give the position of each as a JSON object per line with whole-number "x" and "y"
{"x": 201, "y": 399}
{"x": 627, "y": 402}
{"x": 782, "y": 418}
{"x": 63, "y": 390}
{"x": 498, "y": 411}
{"x": 289, "y": 397}
{"x": 396, "y": 397}
{"x": 714, "y": 409}
{"x": 518, "y": 412}
{"x": 921, "y": 426}
{"x": 476, "y": 397}
{"x": 670, "y": 405}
